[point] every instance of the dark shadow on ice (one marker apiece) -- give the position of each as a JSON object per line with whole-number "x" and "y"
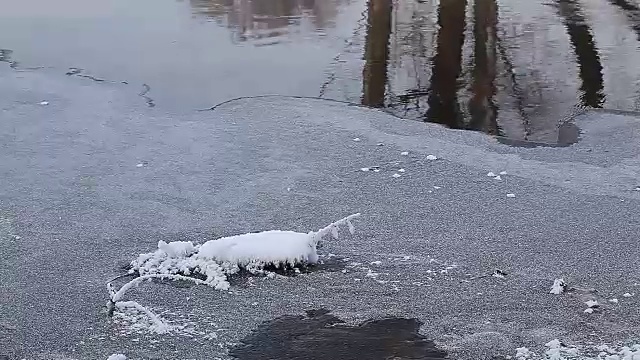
{"x": 318, "y": 335}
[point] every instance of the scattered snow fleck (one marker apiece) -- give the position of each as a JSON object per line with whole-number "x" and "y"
{"x": 396, "y": 175}
{"x": 365, "y": 169}
{"x": 44, "y": 103}
{"x": 404, "y": 153}
{"x": 592, "y": 303}
{"x": 344, "y": 271}
{"x": 511, "y": 195}
{"x": 637, "y": 188}
{"x": 371, "y": 274}
{"x": 498, "y": 177}
{"x": 499, "y": 274}
{"x": 376, "y": 262}
{"x": 376, "y": 170}
{"x": 431, "y": 157}
{"x": 380, "y": 144}
{"x": 117, "y": 357}
{"x": 558, "y": 286}
{"x": 288, "y": 189}
{"x": 140, "y": 165}
{"x": 401, "y": 170}
{"x": 615, "y": 301}
{"x": 523, "y": 353}
{"x": 503, "y": 173}
{"x": 491, "y": 174}
{"x": 589, "y": 310}
{"x": 437, "y": 187}
{"x": 627, "y": 295}
{"x": 356, "y": 139}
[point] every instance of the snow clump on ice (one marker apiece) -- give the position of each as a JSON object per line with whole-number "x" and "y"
{"x": 117, "y": 357}
{"x": 558, "y": 287}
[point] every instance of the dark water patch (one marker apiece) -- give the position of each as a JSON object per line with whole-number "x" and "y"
{"x": 319, "y": 335}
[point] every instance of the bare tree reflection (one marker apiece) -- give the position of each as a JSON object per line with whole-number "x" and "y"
{"x": 581, "y": 37}
{"x": 482, "y": 107}
{"x": 256, "y": 19}
{"x": 446, "y": 65}
{"x": 376, "y": 52}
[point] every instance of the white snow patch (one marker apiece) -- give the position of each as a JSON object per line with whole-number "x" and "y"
{"x": 498, "y": 177}
{"x": 503, "y": 173}
{"x": 627, "y": 295}
{"x": 558, "y": 287}
{"x": 356, "y": 139}
{"x": 396, "y": 175}
{"x": 376, "y": 170}
{"x": 491, "y": 174}
{"x": 365, "y": 169}
{"x": 431, "y": 157}
{"x": 404, "y": 153}
{"x": 44, "y": 103}
{"x": 376, "y": 262}
{"x": 401, "y": 170}
{"x": 117, "y": 357}
{"x": 437, "y": 187}
{"x": 140, "y": 165}
{"x": 614, "y": 301}
{"x": 511, "y": 195}
{"x": 588, "y": 310}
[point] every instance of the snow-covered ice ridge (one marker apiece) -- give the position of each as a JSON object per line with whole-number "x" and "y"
{"x": 215, "y": 259}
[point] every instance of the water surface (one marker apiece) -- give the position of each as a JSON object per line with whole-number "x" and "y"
{"x": 516, "y": 68}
